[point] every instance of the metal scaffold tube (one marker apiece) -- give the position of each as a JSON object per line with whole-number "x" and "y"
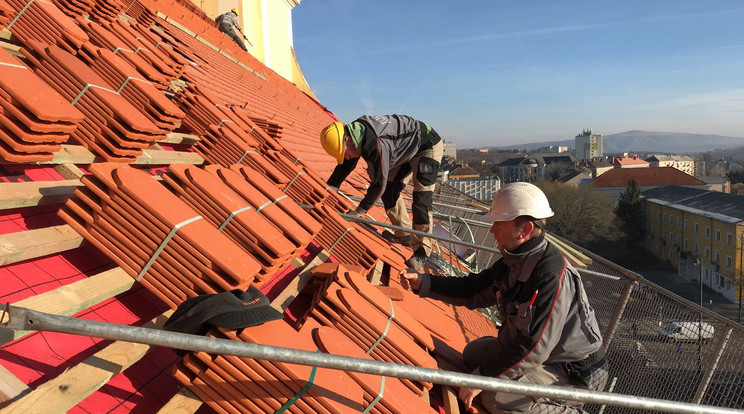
{"x": 17, "y": 318}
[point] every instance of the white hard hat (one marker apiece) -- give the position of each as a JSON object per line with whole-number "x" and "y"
{"x": 518, "y": 199}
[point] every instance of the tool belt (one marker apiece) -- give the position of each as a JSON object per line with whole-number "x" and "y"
{"x": 580, "y": 372}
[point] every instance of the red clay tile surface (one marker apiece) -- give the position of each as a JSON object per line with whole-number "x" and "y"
{"x": 652, "y": 176}
{"x": 258, "y": 136}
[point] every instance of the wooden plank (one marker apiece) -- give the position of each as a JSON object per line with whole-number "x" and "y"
{"x": 449, "y": 400}
{"x": 10, "y": 386}
{"x": 75, "y": 384}
{"x": 185, "y": 402}
{"x": 76, "y": 154}
{"x": 155, "y": 157}
{"x": 69, "y": 171}
{"x": 5, "y": 34}
{"x": 30, "y": 244}
{"x": 281, "y": 302}
{"x": 70, "y": 299}
{"x": 179, "y": 138}
{"x": 376, "y": 273}
{"x": 16, "y": 195}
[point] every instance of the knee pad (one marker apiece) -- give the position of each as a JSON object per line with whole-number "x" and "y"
{"x": 421, "y": 206}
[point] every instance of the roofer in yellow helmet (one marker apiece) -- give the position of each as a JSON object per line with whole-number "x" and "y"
{"x": 397, "y": 148}
{"x": 228, "y": 24}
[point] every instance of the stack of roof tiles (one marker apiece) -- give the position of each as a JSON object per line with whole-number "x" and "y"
{"x": 44, "y": 22}
{"x": 6, "y": 13}
{"x": 367, "y": 322}
{"x": 155, "y": 237}
{"x": 238, "y": 385}
{"x": 34, "y": 119}
{"x": 112, "y": 128}
{"x": 231, "y": 224}
{"x": 124, "y": 40}
{"x": 236, "y": 217}
{"x": 352, "y": 320}
{"x": 141, "y": 93}
{"x": 74, "y": 8}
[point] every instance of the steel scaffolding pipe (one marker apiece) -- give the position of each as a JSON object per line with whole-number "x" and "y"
{"x": 17, "y": 318}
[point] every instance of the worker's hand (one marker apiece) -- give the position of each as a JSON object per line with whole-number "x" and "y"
{"x": 467, "y": 395}
{"x": 410, "y": 279}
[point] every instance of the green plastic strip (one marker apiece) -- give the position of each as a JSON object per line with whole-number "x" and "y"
{"x": 384, "y": 333}
{"x": 280, "y": 199}
{"x": 233, "y": 214}
{"x": 244, "y": 154}
{"x": 88, "y": 86}
{"x": 293, "y": 180}
{"x": 301, "y": 393}
{"x": 19, "y": 14}
{"x": 121, "y": 48}
{"x": 163, "y": 244}
{"x": 340, "y": 237}
{"x": 127, "y": 81}
{"x": 12, "y": 65}
{"x": 223, "y": 121}
{"x": 261, "y": 207}
{"x": 378, "y": 398}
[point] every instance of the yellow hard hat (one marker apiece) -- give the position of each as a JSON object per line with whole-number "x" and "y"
{"x": 235, "y": 11}
{"x": 332, "y": 140}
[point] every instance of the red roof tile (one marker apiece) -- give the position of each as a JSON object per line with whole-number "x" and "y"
{"x": 646, "y": 177}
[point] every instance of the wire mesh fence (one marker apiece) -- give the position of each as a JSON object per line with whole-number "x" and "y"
{"x": 659, "y": 345}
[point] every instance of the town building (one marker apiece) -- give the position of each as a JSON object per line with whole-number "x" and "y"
{"x": 717, "y": 182}
{"x": 680, "y": 162}
{"x": 553, "y": 148}
{"x": 463, "y": 171}
{"x": 699, "y": 232}
{"x": 588, "y": 145}
{"x": 629, "y": 162}
{"x": 450, "y": 150}
{"x": 480, "y": 188}
{"x": 534, "y": 166}
{"x": 613, "y": 182}
{"x": 599, "y": 167}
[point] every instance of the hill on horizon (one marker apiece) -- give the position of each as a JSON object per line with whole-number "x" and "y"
{"x": 649, "y": 141}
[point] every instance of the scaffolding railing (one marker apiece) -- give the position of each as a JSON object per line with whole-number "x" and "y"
{"x": 700, "y": 367}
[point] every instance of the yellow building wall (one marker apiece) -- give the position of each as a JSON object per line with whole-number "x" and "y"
{"x": 268, "y": 26}
{"x": 671, "y": 227}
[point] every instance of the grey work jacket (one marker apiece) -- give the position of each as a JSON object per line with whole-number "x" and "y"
{"x": 545, "y": 313}
{"x": 389, "y": 141}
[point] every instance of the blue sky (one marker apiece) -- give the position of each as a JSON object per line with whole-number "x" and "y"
{"x": 503, "y": 72}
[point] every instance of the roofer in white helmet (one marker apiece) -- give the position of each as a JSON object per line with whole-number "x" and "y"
{"x": 549, "y": 334}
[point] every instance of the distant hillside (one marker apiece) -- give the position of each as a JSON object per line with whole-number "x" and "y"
{"x": 649, "y": 141}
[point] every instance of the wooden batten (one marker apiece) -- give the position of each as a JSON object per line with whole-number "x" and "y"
{"x": 70, "y": 299}
{"x": 76, "y": 154}
{"x": 69, "y": 171}
{"x": 179, "y": 138}
{"x": 282, "y": 301}
{"x": 35, "y": 193}
{"x": 30, "y": 244}
{"x": 184, "y": 402}
{"x": 75, "y": 384}
{"x": 10, "y": 386}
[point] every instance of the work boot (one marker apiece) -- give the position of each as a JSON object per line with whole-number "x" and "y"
{"x": 417, "y": 261}
{"x": 392, "y": 238}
